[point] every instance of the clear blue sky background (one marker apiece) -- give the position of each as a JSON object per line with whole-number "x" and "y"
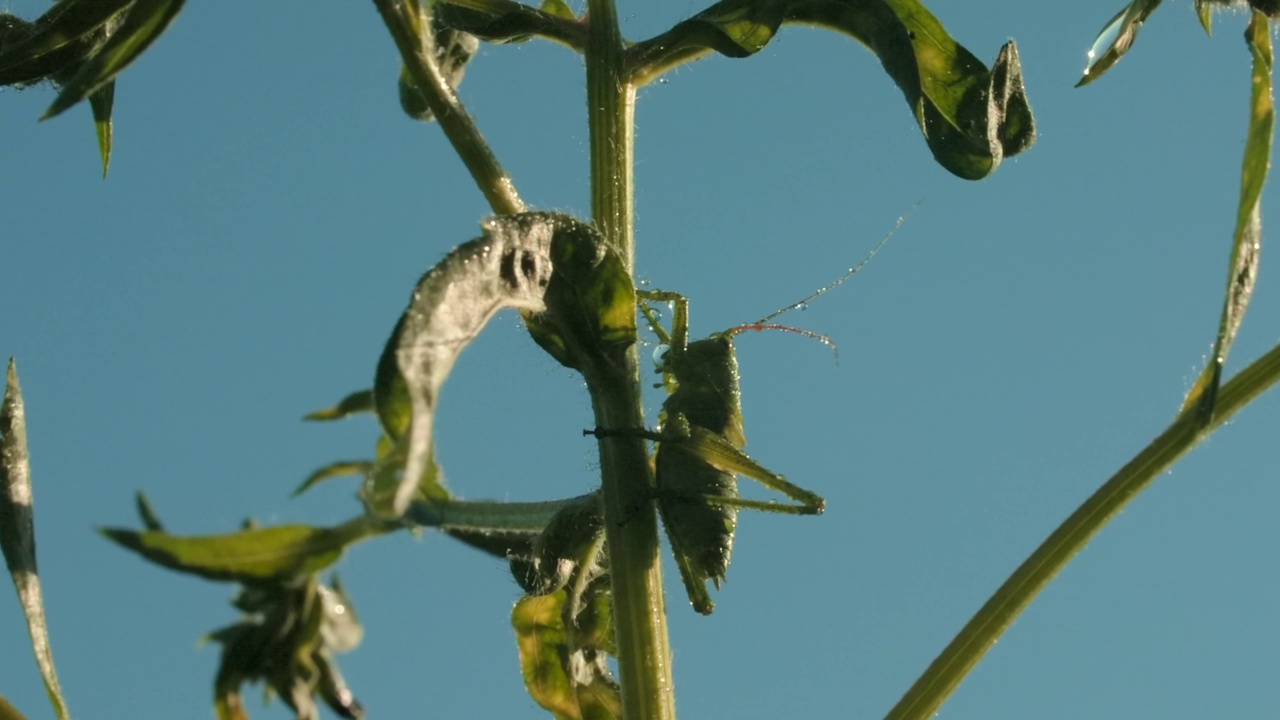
{"x": 270, "y": 208}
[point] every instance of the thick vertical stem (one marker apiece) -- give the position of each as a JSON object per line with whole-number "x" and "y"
{"x": 611, "y": 109}
{"x": 644, "y": 658}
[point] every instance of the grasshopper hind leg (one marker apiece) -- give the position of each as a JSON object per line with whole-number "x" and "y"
{"x": 694, "y": 573}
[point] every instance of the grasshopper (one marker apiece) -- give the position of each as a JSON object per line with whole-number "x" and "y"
{"x": 700, "y": 440}
{"x": 699, "y": 453}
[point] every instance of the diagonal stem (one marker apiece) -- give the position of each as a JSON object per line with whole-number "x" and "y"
{"x": 946, "y": 672}
{"x": 410, "y": 26}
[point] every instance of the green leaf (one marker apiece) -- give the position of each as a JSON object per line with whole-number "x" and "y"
{"x": 337, "y": 469}
{"x": 58, "y": 41}
{"x": 146, "y": 20}
{"x": 391, "y": 400}
{"x": 564, "y": 669}
{"x": 360, "y": 401}
{"x": 1247, "y": 243}
{"x": 100, "y": 101}
{"x": 590, "y": 302}
{"x": 257, "y": 555}
{"x": 9, "y": 712}
{"x": 1204, "y": 11}
{"x": 971, "y": 117}
{"x": 1117, "y": 37}
{"x": 504, "y": 21}
{"x": 383, "y": 480}
{"x": 17, "y": 532}
{"x": 558, "y": 8}
{"x": 150, "y": 520}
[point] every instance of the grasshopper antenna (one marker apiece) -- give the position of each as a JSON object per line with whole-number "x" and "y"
{"x": 762, "y": 326}
{"x": 763, "y": 322}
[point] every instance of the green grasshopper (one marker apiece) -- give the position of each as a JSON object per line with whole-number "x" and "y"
{"x": 700, "y": 441}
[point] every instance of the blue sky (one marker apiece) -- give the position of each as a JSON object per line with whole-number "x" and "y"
{"x": 270, "y": 208}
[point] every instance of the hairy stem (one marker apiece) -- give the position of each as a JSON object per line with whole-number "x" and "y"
{"x": 410, "y": 27}
{"x": 631, "y": 526}
{"x": 946, "y": 672}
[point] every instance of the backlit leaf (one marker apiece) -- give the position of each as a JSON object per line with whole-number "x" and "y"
{"x": 146, "y": 20}
{"x": 563, "y": 670}
{"x": 333, "y": 470}
{"x": 1116, "y": 37}
{"x": 17, "y": 532}
{"x": 971, "y": 117}
{"x": 254, "y": 555}
{"x": 360, "y": 401}
{"x": 510, "y": 266}
{"x": 60, "y": 39}
{"x": 100, "y": 101}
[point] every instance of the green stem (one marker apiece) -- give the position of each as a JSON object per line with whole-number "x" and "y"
{"x": 611, "y": 101}
{"x": 410, "y": 27}
{"x": 488, "y": 516}
{"x": 947, "y": 671}
{"x": 631, "y": 525}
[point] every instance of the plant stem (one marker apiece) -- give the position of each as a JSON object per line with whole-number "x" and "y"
{"x": 946, "y": 672}
{"x": 611, "y": 102}
{"x": 488, "y": 515}
{"x": 410, "y": 27}
{"x": 631, "y": 526}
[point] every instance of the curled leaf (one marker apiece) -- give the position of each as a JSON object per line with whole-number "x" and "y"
{"x": 971, "y": 117}
{"x": 573, "y": 291}
{"x": 510, "y": 266}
